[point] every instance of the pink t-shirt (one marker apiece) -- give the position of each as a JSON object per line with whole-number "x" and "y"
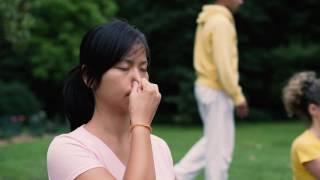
{"x": 73, "y": 153}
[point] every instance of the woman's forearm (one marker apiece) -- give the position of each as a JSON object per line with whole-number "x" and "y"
{"x": 140, "y": 164}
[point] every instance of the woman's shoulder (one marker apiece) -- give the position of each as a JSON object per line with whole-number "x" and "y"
{"x": 69, "y": 142}
{"x": 67, "y": 138}
{"x": 71, "y": 154}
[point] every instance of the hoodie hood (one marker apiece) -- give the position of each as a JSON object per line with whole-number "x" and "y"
{"x": 210, "y": 10}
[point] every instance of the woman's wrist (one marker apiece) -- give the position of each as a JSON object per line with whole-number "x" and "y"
{"x": 140, "y": 125}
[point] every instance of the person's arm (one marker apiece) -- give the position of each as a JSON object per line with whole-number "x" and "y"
{"x": 222, "y": 54}
{"x": 143, "y": 103}
{"x": 313, "y": 167}
{"x": 222, "y": 46}
{"x": 140, "y": 164}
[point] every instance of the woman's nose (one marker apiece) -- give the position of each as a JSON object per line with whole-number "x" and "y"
{"x": 136, "y": 75}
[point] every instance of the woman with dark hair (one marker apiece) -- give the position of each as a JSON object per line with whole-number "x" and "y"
{"x": 301, "y": 97}
{"x": 110, "y": 105}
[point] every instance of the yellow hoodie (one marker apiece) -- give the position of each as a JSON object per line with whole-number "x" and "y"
{"x": 216, "y": 53}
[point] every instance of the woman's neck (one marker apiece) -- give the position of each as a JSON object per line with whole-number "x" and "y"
{"x": 107, "y": 122}
{"x": 113, "y": 128}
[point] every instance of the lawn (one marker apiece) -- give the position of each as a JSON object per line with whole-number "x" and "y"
{"x": 262, "y": 151}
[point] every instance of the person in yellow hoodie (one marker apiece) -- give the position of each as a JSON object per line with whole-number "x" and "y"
{"x": 217, "y": 91}
{"x": 301, "y": 97}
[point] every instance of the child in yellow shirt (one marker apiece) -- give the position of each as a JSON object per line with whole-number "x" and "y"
{"x": 301, "y": 97}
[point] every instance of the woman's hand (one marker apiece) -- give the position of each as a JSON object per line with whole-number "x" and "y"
{"x": 143, "y": 102}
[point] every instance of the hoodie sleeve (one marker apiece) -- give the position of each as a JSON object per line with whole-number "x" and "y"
{"x": 222, "y": 43}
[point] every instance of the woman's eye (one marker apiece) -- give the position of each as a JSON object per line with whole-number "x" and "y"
{"x": 123, "y": 68}
{"x": 144, "y": 69}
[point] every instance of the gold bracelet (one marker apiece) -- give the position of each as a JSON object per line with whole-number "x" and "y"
{"x": 142, "y": 125}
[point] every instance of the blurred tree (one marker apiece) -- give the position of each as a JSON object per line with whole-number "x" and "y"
{"x": 16, "y": 99}
{"x": 17, "y": 103}
{"x": 15, "y": 23}
{"x": 57, "y": 32}
{"x": 276, "y": 38}
{"x": 40, "y": 41}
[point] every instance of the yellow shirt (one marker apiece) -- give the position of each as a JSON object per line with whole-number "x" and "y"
{"x": 305, "y": 148}
{"x": 216, "y": 52}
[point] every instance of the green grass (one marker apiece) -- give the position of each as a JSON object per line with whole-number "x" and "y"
{"x": 261, "y": 153}
{"x": 262, "y": 150}
{"x": 24, "y": 161}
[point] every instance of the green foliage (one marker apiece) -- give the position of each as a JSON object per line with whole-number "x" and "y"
{"x": 10, "y": 126}
{"x": 185, "y": 102}
{"x": 15, "y": 23}
{"x": 274, "y": 45}
{"x": 17, "y": 102}
{"x": 57, "y": 33}
{"x": 39, "y": 42}
{"x": 276, "y": 39}
{"x": 16, "y": 99}
{"x": 258, "y": 115}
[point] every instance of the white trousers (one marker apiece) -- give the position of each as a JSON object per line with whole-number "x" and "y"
{"x": 214, "y": 150}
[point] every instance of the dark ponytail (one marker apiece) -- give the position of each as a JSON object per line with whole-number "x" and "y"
{"x": 78, "y": 99}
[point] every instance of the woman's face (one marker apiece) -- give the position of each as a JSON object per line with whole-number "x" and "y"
{"x": 116, "y": 83}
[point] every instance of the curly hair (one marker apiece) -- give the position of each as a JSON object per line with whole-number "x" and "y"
{"x": 302, "y": 89}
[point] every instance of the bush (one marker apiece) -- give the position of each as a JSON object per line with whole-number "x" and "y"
{"x": 39, "y": 124}
{"x": 16, "y": 99}
{"x": 17, "y": 102}
{"x": 259, "y": 115}
{"x": 10, "y": 125}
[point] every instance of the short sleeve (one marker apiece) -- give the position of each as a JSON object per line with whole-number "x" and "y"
{"x": 167, "y": 152}
{"x": 67, "y": 158}
{"x": 163, "y": 159}
{"x": 308, "y": 152}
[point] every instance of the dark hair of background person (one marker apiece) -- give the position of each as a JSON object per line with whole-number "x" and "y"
{"x": 101, "y": 48}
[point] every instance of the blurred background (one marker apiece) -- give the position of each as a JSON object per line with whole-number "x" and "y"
{"x": 39, "y": 44}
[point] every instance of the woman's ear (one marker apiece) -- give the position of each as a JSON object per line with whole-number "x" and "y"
{"x": 84, "y": 76}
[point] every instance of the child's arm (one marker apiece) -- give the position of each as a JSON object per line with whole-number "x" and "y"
{"x": 313, "y": 167}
